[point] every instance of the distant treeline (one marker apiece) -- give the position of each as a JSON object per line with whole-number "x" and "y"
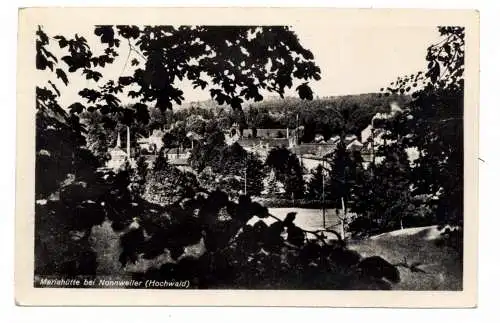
{"x": 328, "y": 116}
{"x": 325, "y": 116}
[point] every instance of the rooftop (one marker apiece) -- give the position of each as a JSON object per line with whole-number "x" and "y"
{"x": 267, "y": 133}
{"x": 272, "y": 142}
{"x": 177, "y": 150}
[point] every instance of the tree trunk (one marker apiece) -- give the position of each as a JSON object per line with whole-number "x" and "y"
{"x": 342, "y": 229}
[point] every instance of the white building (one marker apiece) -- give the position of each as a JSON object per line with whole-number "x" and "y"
{"x": 355, "y": 145}
{"x": 120, "y": 156}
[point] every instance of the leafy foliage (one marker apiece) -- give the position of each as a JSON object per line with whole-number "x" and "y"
{"x": 345, "y": 168}
{"x": 239, "y": 170}
{"x": 430, "y": 191}
{"x": 288, "y": 171}
{"x": 251, "y": 256}
{"x": 316, "y": 184}
{"x": 229, "y": 60}
{"x": 433, "y": 123}
{"x": 166, "y": 184}
{"x": 382, "y": 196}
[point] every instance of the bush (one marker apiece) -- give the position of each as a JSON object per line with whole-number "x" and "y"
{"x": 169, "y": 185}
{"x": 364, "y": 226}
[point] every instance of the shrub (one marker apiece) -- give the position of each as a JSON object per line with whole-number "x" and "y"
{"x": 169, "y": 185}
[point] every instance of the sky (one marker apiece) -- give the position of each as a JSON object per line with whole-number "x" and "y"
{"x": 352, "y": 59}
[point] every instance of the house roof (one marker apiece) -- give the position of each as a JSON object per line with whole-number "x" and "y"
{"x": 314, "y": 149}
{"x": 267, "y": 133}
{"x": 272, "y": 142}
{"x": 117, "y": 151}
{"x": 178, "y": 161}
{"x": 177, "y": 150}
{"x": 355, "y": 145}
{"x": 193, "y": 135}
{"x": 350, "y": 138}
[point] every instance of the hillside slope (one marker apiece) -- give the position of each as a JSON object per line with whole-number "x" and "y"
{"x": 442, "y": 265}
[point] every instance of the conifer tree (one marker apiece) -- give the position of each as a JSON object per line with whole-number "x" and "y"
{"x": 315, "y": 185}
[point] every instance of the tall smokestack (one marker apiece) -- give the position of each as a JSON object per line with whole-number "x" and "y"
{"x": 118, "y": 141}
{"x": 128, "y": 142}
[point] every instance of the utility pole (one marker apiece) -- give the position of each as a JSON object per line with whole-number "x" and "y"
{"x": 245, "y": 181}
{"x": 128, "y": 142}
{"x": 297, "y": 130}
{"x": 323, "y": 195}
{"x": 343, "y": 218}
{"x": 373, "y": 144}
{"x": 245, "y": 172}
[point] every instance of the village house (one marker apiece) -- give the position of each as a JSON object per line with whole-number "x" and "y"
{"x": 261, "y": 141}
{"x": 177, "y": 153}
{"x": 151, "y": 144}
{"x": 252, "y": 137}
{"x": 179, "y": 157}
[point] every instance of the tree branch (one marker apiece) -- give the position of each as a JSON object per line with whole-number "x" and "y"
{"x": 126, "y": 60}
{"x": 132, "y": 48}
{"x": 317, "y": 233}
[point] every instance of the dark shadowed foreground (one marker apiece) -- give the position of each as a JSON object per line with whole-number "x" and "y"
{"x": 435, "y": 267}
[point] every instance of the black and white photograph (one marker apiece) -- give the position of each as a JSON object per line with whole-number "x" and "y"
{"x": 301, "y": 155}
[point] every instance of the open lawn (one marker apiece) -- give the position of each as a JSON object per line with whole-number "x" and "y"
{"x": 442, "y": 266}
{"x": 308, "y": 219}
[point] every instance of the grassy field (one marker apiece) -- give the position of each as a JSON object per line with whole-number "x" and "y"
{"x": 442, "y": 265}
{"x": 308, "y": 219}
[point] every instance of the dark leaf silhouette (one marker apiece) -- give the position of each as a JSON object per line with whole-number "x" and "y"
{"x": 76, "y": 107}
{"x": 60, "y": 74}
{"x": 62, "y": 41}
{"x": 295, "y": 235}
{"x": 55, "y": 88}
{"x": 378, "y": 267}
{"x": 305, "y": 91}
{"x": 106, "y": 33}
{"x": 126, "y": 80}
{"x": 290, "y": 217}
{"x": 142, "y": 113}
